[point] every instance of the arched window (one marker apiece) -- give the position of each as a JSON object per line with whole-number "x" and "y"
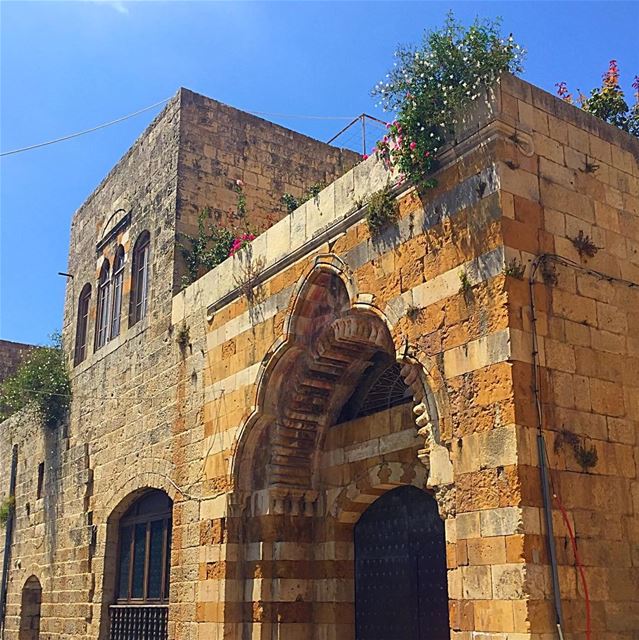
{"x": 82, "y": 325}
{"x": 382, "y": 387}
{"x": 102, "y": 313}
{"x": 140, "y": 278}
{"x": 143, "y": 565}
{"x": 30, "y": 610}
{"x": 145, "y": 547}
{"x": 116, "y": 291}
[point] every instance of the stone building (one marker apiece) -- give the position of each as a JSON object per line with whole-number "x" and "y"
{"x": 332, "y": 434}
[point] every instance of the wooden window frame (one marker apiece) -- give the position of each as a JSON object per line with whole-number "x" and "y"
{"x": 82, "y": 325}
{"x": 140, "y": 278}
{"x": 102, "y": 314}
{"x": 117, "y": 285}
{"x": 130, "y": 522}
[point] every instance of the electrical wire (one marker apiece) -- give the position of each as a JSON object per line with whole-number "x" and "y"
{"x": 84, "y": 132}
{"x": 157, "y": 104}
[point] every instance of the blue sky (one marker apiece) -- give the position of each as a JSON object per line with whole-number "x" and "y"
{"x": 72, "y": 65}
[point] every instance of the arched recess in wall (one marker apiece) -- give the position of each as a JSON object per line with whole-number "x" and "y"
{"x": 331, "y": 340}
{"x": 137, "y": 553}
{"x": 30, "y": 609}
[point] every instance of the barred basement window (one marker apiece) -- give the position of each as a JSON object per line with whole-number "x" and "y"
{"x": 116, "y": 295}
{"x": 82, "y": 325}
{"x": 102, "y": 314}
{"x": 140, "y": 278}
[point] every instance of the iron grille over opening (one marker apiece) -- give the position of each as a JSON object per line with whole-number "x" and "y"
{"x": 389, "y": 390}
{"x": 380, "y": 388}
{"x": 138, "y": 622}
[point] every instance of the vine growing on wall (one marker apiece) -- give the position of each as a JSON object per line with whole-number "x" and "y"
{"x": 41, "y": 383}
{"x": 291, "y": 202}
{"x": 214, "y": 244}
{"x": 430, "y": 86}
{"x": 608, "y": 102}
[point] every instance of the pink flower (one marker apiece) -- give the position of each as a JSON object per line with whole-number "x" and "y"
{"x": 240, "y": 243}
{"x": 412, "y": 145}
{"x": 239, "y": 183}
{"x": 426, "y": 154}
{"x": 365, "y": 156}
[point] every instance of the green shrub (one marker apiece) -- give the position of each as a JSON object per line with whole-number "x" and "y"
{"x": 42, "y": 383}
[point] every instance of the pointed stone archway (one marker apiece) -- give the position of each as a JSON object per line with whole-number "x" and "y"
{"x": 294, "y": 571}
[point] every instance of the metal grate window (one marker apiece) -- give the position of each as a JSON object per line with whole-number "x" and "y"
{"x": 380, "y": 388}
{"x": 138, "y": 622}
{"x": 388, "y": 390}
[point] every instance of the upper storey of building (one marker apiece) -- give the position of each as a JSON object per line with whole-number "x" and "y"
{"x": 125, "y": 248}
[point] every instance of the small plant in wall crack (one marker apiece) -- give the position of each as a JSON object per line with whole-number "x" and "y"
{"x": 549, "y": 273}
{"x": 515, "y": 269}
{"x": 584, "y": 245}
{"x": 382, "y": 209}
{"x": 7, "y": 505}
{"x": 464, "y": 283}
{"x": 291, "y": 203}
{"x": 586, "y": 456}
{"x": 249, "y": 268}
{"x": 183, "y": 337}
{"x": 412, "y": 313}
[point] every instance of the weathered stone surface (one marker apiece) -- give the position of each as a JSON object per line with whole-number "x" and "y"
{"x": 250, "y": 420}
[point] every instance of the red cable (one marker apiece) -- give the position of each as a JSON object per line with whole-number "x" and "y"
{"x": 580, "y": 567}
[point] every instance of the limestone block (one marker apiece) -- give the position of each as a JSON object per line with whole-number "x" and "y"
{"x": 503, "y": 521}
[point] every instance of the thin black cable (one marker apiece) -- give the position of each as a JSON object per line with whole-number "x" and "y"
{"x": 157, "y": 104}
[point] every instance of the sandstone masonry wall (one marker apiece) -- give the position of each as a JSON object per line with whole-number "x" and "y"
{"x": 273, "y": 341}
{"x": 219, "y": 145}
{"x": 11, "y": 356}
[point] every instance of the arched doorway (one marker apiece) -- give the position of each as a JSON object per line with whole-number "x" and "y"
{"x": 400, "y": 569}
{"x": 30, "y": 610}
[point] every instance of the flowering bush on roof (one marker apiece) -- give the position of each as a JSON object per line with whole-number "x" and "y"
{"x": 608, "y": 101}
{"x": 431, "y": 84}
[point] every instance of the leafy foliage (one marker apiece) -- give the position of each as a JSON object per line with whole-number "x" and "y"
{"x": 291, "y": 202}
{"x": 382, "y": 209}
{"x": 41, "y": 382}
{"x": 7, "y": 504}
{"x": 431, "y": 84}
{"x": 214, "y": 244}
{"x": 608, "y": 101}
{"x": 209, "y": 248}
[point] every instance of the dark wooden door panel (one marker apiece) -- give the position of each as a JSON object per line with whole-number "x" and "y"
{"x": 400, "y": 569}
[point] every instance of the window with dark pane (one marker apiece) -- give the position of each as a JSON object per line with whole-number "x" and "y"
{"x": 117, "y": 281}
{"x": 102, "y": 312}
{"x": 82, "y": 325}
{"x": 144, "y": 550}
{"x": 139, "y": 278}
{"x": 124, "y": 563}
{"x": 380, "y": 388}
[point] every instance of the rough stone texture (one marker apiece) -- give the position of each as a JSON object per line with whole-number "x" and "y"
{"x": 11, "y": 356}
{"x": 240, "y": 426}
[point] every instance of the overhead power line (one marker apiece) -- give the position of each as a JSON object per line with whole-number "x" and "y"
{"x": 157, "y": 104}
{"x": 81, "y": 133}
